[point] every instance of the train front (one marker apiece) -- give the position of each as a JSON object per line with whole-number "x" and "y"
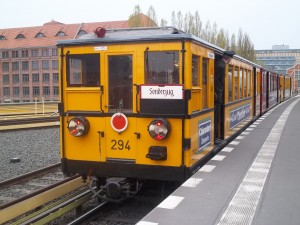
{"x": 122, "y": 111}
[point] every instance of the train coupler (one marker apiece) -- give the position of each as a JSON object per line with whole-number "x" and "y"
{"x": 115, "y": 189}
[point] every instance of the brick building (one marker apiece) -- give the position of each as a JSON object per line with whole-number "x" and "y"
{"x": 294, "y": 72}
{"x": 29, "y": 59}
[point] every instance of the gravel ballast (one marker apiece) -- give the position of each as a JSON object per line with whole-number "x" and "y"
{"x": 27, "y": 150}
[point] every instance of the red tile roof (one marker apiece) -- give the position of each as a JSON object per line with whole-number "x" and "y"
{"x": 50, "y": 31}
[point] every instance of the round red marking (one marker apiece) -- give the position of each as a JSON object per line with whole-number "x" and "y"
{"x": 119, "y": 122}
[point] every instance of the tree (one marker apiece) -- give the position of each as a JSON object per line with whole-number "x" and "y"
{"x": 138, "y": 19}
{"x": 152, "y": 15}
{"x": 134, "y": 19}
{"x": 233, "y": 43}
{"x": 163, "y": 23}
{"x": 221, "y": 39}
{"x": 198, "y": 25}
{"x": 177, "y": 20}
{"x": 191, "y": 23}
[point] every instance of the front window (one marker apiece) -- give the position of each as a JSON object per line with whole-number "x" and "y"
{"x": 83, "y": 70}
{"x": 120, "y": 82}
{"x": 162, "y": 67}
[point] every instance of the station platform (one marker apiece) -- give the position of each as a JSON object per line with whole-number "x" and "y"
{"x": 255, "y": 179}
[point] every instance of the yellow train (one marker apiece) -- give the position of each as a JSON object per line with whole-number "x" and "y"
{"x": 138, "y": 104}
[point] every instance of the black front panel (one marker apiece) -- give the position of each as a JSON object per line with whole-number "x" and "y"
{"x": 159, "y": 106}
{"x": 123, "y": 170}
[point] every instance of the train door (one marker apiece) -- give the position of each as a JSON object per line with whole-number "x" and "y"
{"x": 120, "y": 141}
{"x": 219, "y": 87}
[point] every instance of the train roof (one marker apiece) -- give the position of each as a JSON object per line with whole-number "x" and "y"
{"x": 146, "y": 34}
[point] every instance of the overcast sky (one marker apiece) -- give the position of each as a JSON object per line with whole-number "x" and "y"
{"x": 268, "y": 22}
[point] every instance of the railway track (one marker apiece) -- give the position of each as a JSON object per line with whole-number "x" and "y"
{"x": 71, "y": 201}
{"x": 27, "y": 192}
{"x": 18, "y": 121}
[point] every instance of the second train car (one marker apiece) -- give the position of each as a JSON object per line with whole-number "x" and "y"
{"x": 138, "y": 104}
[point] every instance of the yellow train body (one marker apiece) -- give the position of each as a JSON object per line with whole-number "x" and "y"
{"x": 122, "y": 95}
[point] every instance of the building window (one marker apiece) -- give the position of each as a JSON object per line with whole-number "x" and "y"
{"x": 25, "y": 65}
{"x": 20, "y": 36}
{"x": 40, "y": 35}
{"x": 45, "y": 52}
{"x": 45, "y": 64}
{"x": 35, "y": 53}
{"x": 55, "y": 78}
{"x": 46, "y": 90}
{"x": 15, "y": 54}
{"x": 46, "y": 77}
{"x": 54, "y": 52}
{"x": 16, "y": 91}
{"x": 2, "y": 37}
{"x": 82, "y": 32}
{"x": 35, "y": 65}
{"x": 5, "y": 55}
{"x": 25, "y": 78}
{"x": 60, "y": 34}
{"x": 16, "y": 78}
{"x": 25, "y": 91}
{"x": 35, "y": 91}
{"x": 6, "y": 92}
{"x": 5, "y": 67}
{"x": 5, "y": 79}
{"x": 24, "y": 53}
{"x": 15, "y": 66}
{"x": 35, "y": 77}
{"x": 55, "y": 91}
{"x": 54, "y": 64}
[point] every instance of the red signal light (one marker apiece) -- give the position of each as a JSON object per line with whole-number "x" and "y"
{"x": 159, "y": 129}
{"x": 78, "y": 126}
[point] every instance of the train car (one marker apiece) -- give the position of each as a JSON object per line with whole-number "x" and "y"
{"x": 238, "y": 97}
{"x": 285, "y": 83}
{"x": 273, "y": 90}
{"x": 138, "y": 104}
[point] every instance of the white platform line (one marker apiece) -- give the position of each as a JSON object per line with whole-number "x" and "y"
{"x": 227, "y": 149}
{"x": 192, "y": 182}
{"x": 218, "y": 157}
{"x": 234, "y": 143}
{"x": 146, "y": 223}
{"x": 241, "y": 209}
{"x": 207, "y": 168}
{"x": 240, "y": 137}
{"x": 170, "y": 202}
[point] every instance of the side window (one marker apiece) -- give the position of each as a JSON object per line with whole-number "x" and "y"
{"x": 204, "y": 81}
{"x": 83, "y": 70}
{"x": 241, "y": 82}
{"x": 230, "y": 71}
{"x": 249, "y": 83}
{"x": 236, "y": 83}
{"x": 245, "y": 83}
{"x": 195, "y": 70}
{"x": 162, "y": 67}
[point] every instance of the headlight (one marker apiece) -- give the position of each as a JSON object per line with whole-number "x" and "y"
{"x": 78, "y": 126}
{"x": 159, "y": 129}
